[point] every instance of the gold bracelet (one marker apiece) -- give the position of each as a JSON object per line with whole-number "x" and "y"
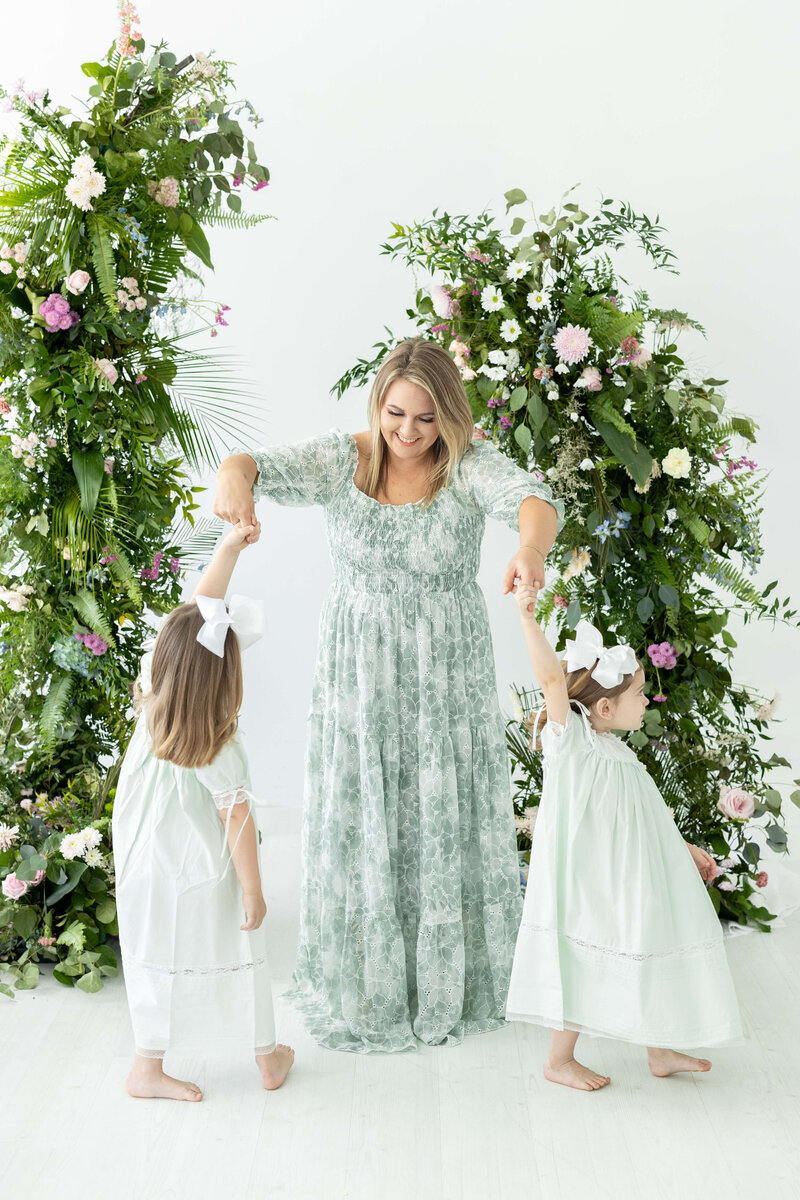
{"x": 528, "y": 546}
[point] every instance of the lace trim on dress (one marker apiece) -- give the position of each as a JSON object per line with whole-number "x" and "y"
{"x": 632, "y": 956}
{"x": 237, "y": 795}
{"x": 227, "y": 969}
{"x": 150, "y": 1053}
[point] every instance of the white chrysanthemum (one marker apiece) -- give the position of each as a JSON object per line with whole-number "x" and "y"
{"x": 91, "y": 837}
{"x": 95, "y": 183}
{"x": 495, "y": 373}
{"x": 78, "y": 193}
{"x": 677, "y": 463}
{"x": 83, "y": 164}
{"x": 94, "y": 858}
{"x": 492, "y": 299}
{"x": 537, "y": 300}
{"x": 510, "y": 330}
{"x": 73, "y": 845}
{"x": 9, "y": 834}
{"x": 517, "y": 269}
{"x": 512, "y": 359}
{"x": 497, "y": 358}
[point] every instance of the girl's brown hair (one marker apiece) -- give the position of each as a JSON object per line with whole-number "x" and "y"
{"x": 580, "y": 686}
{"x": 430, "y": 367}
{"x": 193, "y": 706}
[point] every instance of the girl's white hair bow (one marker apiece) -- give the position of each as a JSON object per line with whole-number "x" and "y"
{"x": 586, "y": 649}
{"x": 243, "y": 615}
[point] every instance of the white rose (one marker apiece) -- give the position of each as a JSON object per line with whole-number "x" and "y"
{"x": 677, "y": 463}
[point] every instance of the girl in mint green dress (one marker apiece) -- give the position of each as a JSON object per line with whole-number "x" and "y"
{"x": 619, "y": 936}
{"x": 410, "y": 897}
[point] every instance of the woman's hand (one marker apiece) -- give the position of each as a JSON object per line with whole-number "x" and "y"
{"x": 703, "y": 861}
{"x": 526, "y": 595}
{"x": 527, "y": 566}
{"x": 233, "y": 495}
{"x": 255, "y": 909}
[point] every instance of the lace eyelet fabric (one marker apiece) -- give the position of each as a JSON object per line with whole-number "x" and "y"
{"x": 410, "y": 895}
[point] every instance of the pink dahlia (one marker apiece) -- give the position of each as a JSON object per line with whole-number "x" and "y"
{"x": 572, "y": 343}
{"x": 442, "y": 301}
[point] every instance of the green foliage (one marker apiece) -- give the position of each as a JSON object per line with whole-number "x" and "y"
{"x": 647, "y": 555}
{"x": 101, "y": 423}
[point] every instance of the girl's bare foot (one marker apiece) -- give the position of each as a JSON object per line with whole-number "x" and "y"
{"x": 276, "y": 1066}
{"x": 158, "y": 1086}
{"x": 573, "y": 1074}
{"x": 668, "y": 1062}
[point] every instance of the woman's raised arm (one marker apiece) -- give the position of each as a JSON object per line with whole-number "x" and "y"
{"x": 233, "y": 496}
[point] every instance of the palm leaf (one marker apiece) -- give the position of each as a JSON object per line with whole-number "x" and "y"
{"x": 194, "y": 542}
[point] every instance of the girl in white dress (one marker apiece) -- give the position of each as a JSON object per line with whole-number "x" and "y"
{"x": 186, "y": 847}
{"x": 619, "y": 937}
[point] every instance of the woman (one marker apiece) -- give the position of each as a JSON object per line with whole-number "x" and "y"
{"x": 411, "y": 900}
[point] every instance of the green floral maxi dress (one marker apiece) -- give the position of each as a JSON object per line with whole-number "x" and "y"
{"x": 410, "y": 897}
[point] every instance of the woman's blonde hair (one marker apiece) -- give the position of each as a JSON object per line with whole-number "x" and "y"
{"x": 192, "y": 709}
{"x": 581, "y": 686}
{"x": 430, "y": 367}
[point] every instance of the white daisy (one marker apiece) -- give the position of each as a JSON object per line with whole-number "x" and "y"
{"x": 73, "y": 845}
{"x": 91, "y": 837}
{"x": 83, "y": 164}
{"x": 94, "y": 858}
{"x": 516, "y": 270}
{"x": 537, "y": 300}
{"x": 510, "y": 330}
{"x": 492, "y": 298}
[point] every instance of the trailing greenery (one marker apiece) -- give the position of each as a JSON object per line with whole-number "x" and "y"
{"x": 574, "y": 376}
{"x": 108, "y": 403}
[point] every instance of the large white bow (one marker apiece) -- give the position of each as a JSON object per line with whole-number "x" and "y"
{"x": 613, "y": 664}
{"x": 243, "y": 615}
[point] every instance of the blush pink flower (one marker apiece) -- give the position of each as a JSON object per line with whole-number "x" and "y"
{"x": 5, "y": 407}
{"x": 107, "y": 369}
{"x": 442, "y": 301}
{"x": 572, "y": 343}
{"x": 46, "y": 941}
{"x": 736, "y": 803}
{"x": 13, "y": 888}
{"x": 663, "y": 654}
{"x": 164, "y": 191}
{"x": 77, "y": 282}
{"x": 630, "y": 347}
{"x": 542, "y": 372}
{"x": 591, "y": 379}
{"x": 641, "y": 358}
{"x": 762, "y": 879}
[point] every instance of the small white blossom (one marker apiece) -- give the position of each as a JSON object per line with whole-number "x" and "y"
{"x": 537, "y": 300}
{"x": 94, "y": 858}
{"x": 517, "y": 269}
{"x": 510, "y": 330}
{"x": 91, "y": 837}
{"x": 586, "y": 464}
{"x": 492, "y": 299}
{"x": 73, "y": 845}
{"x": 561, "y": 368}
{"x": 495, "y": 373}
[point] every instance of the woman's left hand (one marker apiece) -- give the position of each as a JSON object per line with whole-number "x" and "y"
{"x": 703, "y": 861}
{"x": 527, "y": 565}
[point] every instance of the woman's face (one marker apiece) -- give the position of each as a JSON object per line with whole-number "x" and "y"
{"x": 408, "y": 420}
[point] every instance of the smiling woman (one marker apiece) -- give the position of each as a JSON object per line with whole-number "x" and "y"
{"x": 410, "y": 899}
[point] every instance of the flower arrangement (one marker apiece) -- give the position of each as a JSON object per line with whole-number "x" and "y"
{"x": 572, "y": 374}
{"x": 104, "y": 404}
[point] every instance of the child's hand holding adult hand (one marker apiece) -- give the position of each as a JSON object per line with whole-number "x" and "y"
{"x": 255, "y": 909}
{"x": 703, "y": 861}
{"x": 526, "y": 595}
{"x": 242, "y": 534}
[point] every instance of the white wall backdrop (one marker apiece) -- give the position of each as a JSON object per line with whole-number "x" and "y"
{"x": 377, "y": 112}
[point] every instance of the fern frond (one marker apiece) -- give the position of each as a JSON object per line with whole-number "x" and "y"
{"x": 605, "y": 411}
{"x": 232, "y": 220}
{"x": 736, "y": 583}
{"x": 736, "y": 427}
{"x": 103, "y": 259}
{"x": 90, "y": 612}
{"x": 51, "y": 718}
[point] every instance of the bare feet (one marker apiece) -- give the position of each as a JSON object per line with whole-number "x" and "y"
{"x": 158, "y": 1086}
{"x": 573, "y": 1074}
{"x": 276, "y": 1066}
{"x": 668, "y": 1062}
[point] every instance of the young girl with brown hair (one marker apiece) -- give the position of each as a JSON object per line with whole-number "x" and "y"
{"x": 619, "y": 937}
{"x": 196, "y": 975}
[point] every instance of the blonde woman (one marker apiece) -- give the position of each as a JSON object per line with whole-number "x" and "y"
{"x": 410, "y": 899}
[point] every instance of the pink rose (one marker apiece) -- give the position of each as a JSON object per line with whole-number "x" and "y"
{"x": 5, "y": 407}
{"x": 642, "y": 358}
{"x": 38, "y": 877}
{"x": 762, "y": 879}
{"x": 542, "y": 372}
{"x": 736, "y": 802}
{"x": 591, "y": 379}
{"x": 77, "y": 282}
{"x": 13, "y": 888}
{"x": 442, "y": 301}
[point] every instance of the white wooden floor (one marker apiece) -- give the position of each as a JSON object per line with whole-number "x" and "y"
{"x": 442, "y": 1124}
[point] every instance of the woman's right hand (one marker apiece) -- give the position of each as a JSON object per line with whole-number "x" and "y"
{"x": 255, "y": 909}
{"x": 233, "y": 496}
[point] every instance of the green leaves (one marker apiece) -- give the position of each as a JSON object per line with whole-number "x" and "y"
{"x": 518, "y": 398}
{"x": 103, "y": 259}
{"x": 636, "y": 459}
{"x": 522, "y": 436}
{"x": 197, "y": 242}
{"x": 87, "y": 466}
{"x": 514, "y": 197}
{"x": 74, "y": 871}
{"x": 54, "y": 708}
{"x": 89, "y": 609}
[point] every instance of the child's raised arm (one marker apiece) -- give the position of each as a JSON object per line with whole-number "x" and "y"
{"x": 217, "y": 575}
{"x": 546, "y": 666}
